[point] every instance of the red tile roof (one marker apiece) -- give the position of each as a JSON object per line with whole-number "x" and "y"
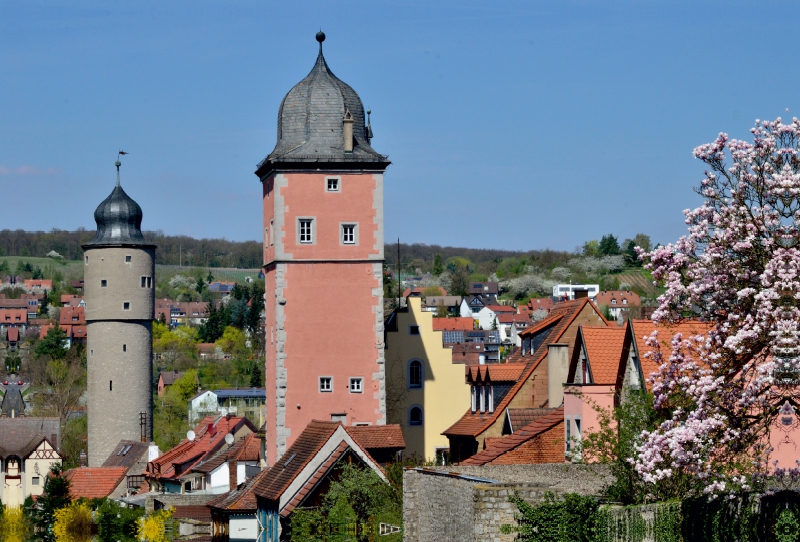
{"x": 502, "y": 308}
{"x": 507, "y": 318}
{"x": 13, "y": 334}
{"x": 72, "y": 316}
{"x": 457, "y": 324}
{"x": 545, "y": 303}
{"x": 418, "y": 291}
{"x": 13, "y": 316}
{"x": 617, "y": 298}
{"x": 94, "y": 482}
{"x": 604, "y": 349}
{"x": 242, "y": 498}
{"x": 557, "y": 322}
{"x": 642, "y": 330}
{"x": 46, "y": 284}
{"x": 498, "y": 447}
{"x": 316, "y": 478}
{"x": 504, "y": 372}
{"x": 378, "y": 436}
{"x": 520, "y": 417}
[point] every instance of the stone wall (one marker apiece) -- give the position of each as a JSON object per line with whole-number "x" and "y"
{"x": 455, "y": 504}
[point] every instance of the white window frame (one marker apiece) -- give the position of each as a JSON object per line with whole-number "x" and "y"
{"x": 482, "y": 398}
{"x": 353, "y": 237}
{"x": 474, "y": 399}
{"x": 356, "y": 384}
{"x": 338, "y": 181}
{"x": 311, "y": 233}
{"x": 329, "y": 387}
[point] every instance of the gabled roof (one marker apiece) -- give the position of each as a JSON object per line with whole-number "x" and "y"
{"x": 485, "y": 288}
{"x": 606, "y": 352}
{"x": 371, "y": 437}
{"x": 244, "y": 449}
{"x": 520, "y": 417}
{"x": 641, "y": 329}
{"x": 322, "y": 443}
{"x": 19, "y": 434}
{"x": 455, "y": 323}
{"x": 418, "y": 291}
{"x": 169, "y": 377}
{"x": 241, "y": 499}
{"x": 500, "y": 446}
{"x": 493, "y": 372}
{"x": 557, "y": 322}
{"x": 508, "y": 318}
{"x": 545, "y": 303}
{"x": 618, "y": 298}
{"x": 94, "y": 482}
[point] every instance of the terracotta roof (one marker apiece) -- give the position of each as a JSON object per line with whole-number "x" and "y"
{"x": 95, "y": 482}
{"x": 13, "y": 304}
{"x": 169, "y": 377}
{"x": 13, "y": 334}
{"x": 45, "y": 329}
{"x": 378, "y": 436}
{"x": 467, "y": 358}
{"x": 14, "y": 316}
{"x": 604, "y": 349}
{"x": 38, "y": 283}
{"x": 545, "y": 303}
{"x": 617, "y": 298}
{"x": 643, "y": 328}
{"x": 498, "y": 447}
{"x": 198, "y": 512}
{"x": 244, "y": 449}
{"x": 71, "y": 316}
{"x": 419, "y": 289}
{"x": 457, "y": 323}
{"x": 508, "y": 318}
{"x": 502, "y": 308}
{"x": 302, "y": 450}
{"x": 520, "y": 417}
{"x": 556, "y": 323}
{"x": 504, "y": 372}
{"x": 316, "y": 478}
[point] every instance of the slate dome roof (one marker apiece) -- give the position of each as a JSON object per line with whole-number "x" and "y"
{"x": 310, "y": 127}
{"x": 119, "y": 221}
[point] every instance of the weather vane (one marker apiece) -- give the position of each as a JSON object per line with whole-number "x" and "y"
{"x": 118, "y": 163}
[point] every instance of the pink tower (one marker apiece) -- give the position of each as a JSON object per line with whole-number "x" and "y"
{"x": 323, "y": 262}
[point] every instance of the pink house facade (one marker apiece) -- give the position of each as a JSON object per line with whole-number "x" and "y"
{"x": 323, "y": 248}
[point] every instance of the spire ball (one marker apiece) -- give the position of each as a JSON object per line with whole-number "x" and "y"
{"x": 320, "y": 36}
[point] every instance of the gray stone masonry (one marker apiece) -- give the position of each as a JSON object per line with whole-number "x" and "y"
{"x": 456, "y": 504}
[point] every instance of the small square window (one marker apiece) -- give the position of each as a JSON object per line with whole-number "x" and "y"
{"x": 144, "y": 282}
{"x": 149, "y": 282}
{"x": 413, "y": 330}
{"x": 127, "y": 259}
{"x": 35, "y": 481}
{"x": 333, "y": 185}
{"x": 306, "y": 230}
{"x": 326, "y": 384}
{"x": 356, "y": 385}
{"x": 103, "y": 283}
{"x": 349, "y": 234}
{"x": 126, "y": 305}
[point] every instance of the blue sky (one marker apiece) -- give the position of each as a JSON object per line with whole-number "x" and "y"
{"x": 516, "y": 125}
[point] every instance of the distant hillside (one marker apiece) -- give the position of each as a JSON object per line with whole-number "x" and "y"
{"x": 172, "y": 249}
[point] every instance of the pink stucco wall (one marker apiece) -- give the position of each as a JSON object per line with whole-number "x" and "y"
{"x": 330, "y": 297}
{"x": 582, "y": 401}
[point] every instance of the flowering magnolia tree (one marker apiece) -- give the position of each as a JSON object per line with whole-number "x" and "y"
{"x": 739, "y": 270}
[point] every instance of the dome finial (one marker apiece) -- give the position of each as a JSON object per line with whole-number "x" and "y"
{"x": 320, "y": 39}
{"x": 118, "y": 163}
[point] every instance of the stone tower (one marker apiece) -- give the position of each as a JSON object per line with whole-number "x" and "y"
{"x": 323, "y": 262}
{"x": 119, "y": 274}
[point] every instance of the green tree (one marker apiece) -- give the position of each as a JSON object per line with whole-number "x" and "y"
{"x": 431, "y": 291}
{"x": 643, "y": 240}
{"x": 54, "y": 344}
{"x": 201, "y": 284}
{"x": 609, "y": 245}
{"x": 459, "y": 282}
{"x": 441, "y": 311}
{"x": 591, "y": 248}
{"x": 494, "y": 324}
{"x": 55, "y": 496}
{"x": 438, "y": 265}
{"x": 256, "y": 380}
{"x": 631, "y": 258}
{"x": 37, "y": 273}
{"x": 217, "y": 319}
{"x": 233, "y": 342}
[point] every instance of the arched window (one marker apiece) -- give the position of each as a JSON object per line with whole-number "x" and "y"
{"x": 415, "y": 415}
{"x": 415, "y": 374}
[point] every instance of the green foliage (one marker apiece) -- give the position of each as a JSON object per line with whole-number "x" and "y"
{"x": 232, "y": 342}
{"x": 438, "y": 265}
{"x": 115, "y": 522}
{"x": 571, "y": 518}
{"x": 608, "y": 246}
{"x": 459, "y": 281}
{"x": 214, "y": 326}
{"x": 53, "y": 345}
{"x": 170, "y": 421}
{"x": 55, "y": 496}
{"x": 256, "y": 380}
{"x": 73, "y": 440}
{"x": 591, "y": 248}
{"x": 356, "y": 496}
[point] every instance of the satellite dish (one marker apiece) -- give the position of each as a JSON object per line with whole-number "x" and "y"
{"x": 190, "y": 435}
{"x": 229, "y": 439}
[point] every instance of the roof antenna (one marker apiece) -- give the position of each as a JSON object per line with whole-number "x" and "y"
{"x": 118, "y": 163}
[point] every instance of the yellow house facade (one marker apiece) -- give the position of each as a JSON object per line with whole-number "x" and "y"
{"x": 425, "y": 391}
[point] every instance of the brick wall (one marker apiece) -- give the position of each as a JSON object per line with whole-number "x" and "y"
{"x": 547, "y": 447}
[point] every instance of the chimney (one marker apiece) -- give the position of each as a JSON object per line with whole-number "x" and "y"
{"x": 482, "y": 359}
{"x": 83, "y": 458}
{"x": 347, "y": 123}
{"x": 557, "y": 371}
{"x": 232, "y": 473}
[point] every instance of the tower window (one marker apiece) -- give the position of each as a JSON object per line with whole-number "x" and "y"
{"x": 127, "y": 259}
{"x": 103, "y": 283}
{"x": 415, "y": 416}
{"x": 326, "y": 384}
{"x": 110, "y": 385}
{"x": 415, "y": 374}
{"x": 306, "y": 230}
{"x": 124, "y": 347}
{"x": 147, "y": 282}
{"x": 356, "y": 385}
{"x": 333, "y": 184}
{"x": 413, "y": 330}
{"x": 126, "y": 305}
{"x": 271, "y": 232}
{"x": 349, "y": 234}
{"x": 86, "y": 259}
